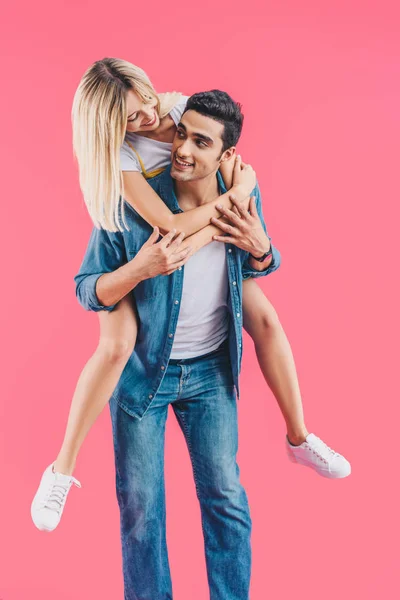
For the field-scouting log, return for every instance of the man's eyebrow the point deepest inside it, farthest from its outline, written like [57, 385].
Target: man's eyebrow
[198, 135]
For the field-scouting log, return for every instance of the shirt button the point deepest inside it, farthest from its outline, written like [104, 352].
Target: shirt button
[150, 396]
[233, 282]
[170, 335]
[162, 368]
[176, 301]
[230, 250]
[238, 315]
[179, 268]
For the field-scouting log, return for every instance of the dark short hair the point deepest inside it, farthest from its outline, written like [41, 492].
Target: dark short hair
[219, 106]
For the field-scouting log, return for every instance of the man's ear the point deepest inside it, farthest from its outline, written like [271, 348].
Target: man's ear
[228, 154]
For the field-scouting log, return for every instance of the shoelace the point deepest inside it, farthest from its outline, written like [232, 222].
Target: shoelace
[58, 493]
[321, 449]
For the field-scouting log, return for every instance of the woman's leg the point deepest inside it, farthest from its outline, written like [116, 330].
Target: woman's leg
[275, 358]
[118, 330]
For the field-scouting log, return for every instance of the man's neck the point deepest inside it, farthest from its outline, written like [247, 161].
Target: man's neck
[191, 194]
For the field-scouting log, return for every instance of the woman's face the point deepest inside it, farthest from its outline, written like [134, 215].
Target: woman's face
[141, 116]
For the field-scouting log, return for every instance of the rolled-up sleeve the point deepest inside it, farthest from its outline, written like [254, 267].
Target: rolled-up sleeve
[247, 269]
[105, 253]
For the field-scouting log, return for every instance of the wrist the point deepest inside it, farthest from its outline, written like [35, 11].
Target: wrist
[136, 271]
[240, 192]
[262, 252]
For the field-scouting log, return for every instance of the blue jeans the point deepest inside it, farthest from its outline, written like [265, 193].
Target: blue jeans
[202, 395]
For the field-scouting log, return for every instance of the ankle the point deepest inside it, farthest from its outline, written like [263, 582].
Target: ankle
[297, 437]
[64, 467]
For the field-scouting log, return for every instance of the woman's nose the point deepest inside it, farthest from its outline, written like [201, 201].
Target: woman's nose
[148, 114]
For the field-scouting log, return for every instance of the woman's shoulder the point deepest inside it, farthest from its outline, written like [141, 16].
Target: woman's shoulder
[174, 103]
[128, 157]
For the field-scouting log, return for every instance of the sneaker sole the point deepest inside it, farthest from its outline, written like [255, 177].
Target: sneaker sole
[327, 474]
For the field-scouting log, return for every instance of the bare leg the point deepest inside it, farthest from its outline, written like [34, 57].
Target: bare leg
[275, 358]
[118, 330]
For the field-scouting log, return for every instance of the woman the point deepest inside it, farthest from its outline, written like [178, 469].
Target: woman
[121, 125]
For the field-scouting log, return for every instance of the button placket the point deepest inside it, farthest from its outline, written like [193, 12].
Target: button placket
[235, 301]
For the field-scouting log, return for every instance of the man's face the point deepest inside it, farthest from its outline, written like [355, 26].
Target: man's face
[197, 146]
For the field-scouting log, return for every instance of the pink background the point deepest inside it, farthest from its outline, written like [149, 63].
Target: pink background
[319, 83]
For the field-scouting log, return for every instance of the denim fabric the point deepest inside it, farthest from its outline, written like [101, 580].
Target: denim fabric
[158, 299]
[201, 392]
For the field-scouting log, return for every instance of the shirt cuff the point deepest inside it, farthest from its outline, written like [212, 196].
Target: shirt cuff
[87, 296]
[249, 271]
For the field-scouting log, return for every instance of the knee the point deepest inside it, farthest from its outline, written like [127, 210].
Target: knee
[116, 350]
[268, 321]
[221, 482]
[140, 505]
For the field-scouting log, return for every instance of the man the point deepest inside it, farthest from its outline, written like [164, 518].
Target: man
[188, 354]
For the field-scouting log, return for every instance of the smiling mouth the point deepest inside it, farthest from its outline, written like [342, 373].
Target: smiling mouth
[151, 122]
[182, 164]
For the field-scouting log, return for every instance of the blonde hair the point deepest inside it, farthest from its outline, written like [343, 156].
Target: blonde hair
[99, 119]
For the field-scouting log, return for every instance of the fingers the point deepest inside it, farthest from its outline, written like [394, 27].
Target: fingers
[225, 227]
[238, 164]
[178, 256]
[168, 237]
[225, 238]
[178, 264]
[229, 214]
[253, 207]
[177, 242]
[153, 237]
[239, 208]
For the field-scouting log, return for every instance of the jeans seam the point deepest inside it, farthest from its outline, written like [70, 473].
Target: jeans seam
[119, 495]
[181, 414]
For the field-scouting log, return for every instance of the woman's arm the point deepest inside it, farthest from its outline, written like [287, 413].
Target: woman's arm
[205, 236]
[226, 169]
[141, 196]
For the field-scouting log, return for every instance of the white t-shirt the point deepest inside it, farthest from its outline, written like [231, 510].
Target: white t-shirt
[203, 322]
[154, 154]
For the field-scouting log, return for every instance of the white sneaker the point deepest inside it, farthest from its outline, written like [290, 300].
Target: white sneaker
[314, 453]
[48, 504]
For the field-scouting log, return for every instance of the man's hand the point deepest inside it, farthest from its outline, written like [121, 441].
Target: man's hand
[244, 230]
[163, 257]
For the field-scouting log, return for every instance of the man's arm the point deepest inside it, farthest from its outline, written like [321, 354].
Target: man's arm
[255, 268]
[104, 258]
[105, 276]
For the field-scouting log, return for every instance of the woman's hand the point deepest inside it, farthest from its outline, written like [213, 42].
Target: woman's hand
[244, 179]
[163, 257]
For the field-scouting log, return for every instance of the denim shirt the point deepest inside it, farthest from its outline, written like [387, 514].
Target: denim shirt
[158, 299]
